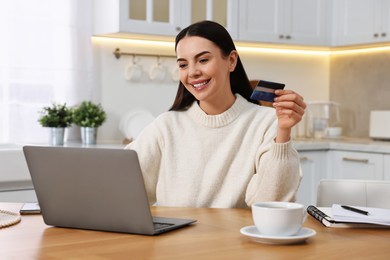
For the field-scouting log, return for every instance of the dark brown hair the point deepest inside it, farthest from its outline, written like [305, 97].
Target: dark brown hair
[217, 34]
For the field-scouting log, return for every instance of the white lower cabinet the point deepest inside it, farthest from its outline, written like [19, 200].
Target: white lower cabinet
[386, 167]
[313, 164]
[336, 164]
[356, 165]
[18, 196]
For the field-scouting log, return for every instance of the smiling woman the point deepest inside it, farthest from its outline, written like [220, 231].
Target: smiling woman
[45, 57]
[216, 147]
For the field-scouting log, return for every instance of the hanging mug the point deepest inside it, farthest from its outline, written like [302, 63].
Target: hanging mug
[157, 73]
[175, 74]
[133, 72]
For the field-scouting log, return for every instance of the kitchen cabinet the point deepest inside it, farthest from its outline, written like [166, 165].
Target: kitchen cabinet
[356, 165]
[285, 21]
[344, 159]
[224, 12]
[292, 22]
[18, 196]
[161, 17]
[15, 180]
[386, 167]
[361, 21]
[313, 164]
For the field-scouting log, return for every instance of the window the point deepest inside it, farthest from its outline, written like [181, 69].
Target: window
[45, 57]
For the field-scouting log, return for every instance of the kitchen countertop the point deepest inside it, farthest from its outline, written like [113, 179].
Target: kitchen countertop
[300, 143]
[14, 172]
[343, 143]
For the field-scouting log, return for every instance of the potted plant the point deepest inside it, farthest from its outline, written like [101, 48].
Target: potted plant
[56, 117]
[89, 116]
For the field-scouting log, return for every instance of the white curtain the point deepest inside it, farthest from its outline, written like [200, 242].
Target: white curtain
[45, 58]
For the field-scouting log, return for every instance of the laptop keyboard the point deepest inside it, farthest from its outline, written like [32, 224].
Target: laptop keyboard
[158, 225]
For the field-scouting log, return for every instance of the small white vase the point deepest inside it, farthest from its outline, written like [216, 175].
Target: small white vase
[88, 135]
[56, 135]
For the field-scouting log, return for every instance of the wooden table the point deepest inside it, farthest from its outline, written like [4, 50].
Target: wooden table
[216, 235]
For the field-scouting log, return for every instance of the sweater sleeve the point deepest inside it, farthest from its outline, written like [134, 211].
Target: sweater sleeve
[148, 148]
[278, 174]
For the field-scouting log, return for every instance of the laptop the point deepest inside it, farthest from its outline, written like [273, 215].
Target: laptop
[94, 188]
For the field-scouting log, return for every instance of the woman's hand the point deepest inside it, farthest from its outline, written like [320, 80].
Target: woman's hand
[290, 108]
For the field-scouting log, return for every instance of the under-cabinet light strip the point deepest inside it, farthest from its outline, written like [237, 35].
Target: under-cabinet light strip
[245, 48]
[281, 51]
[366, 49]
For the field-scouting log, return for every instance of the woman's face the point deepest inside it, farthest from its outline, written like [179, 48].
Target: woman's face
[203, 70]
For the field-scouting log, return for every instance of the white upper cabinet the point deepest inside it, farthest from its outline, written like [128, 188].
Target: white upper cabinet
[161, 17]
[285, 21]
[361, 21]
[224, 12]
[294, 22]
[157, 17]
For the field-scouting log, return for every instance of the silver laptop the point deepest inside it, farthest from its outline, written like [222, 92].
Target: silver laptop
[94, 188]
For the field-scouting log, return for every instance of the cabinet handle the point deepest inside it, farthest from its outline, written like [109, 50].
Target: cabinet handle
[281, 36]
[355, 160]
[304, 158]
[288, 37]
[376, 35]
[178, 28]
[383, 35]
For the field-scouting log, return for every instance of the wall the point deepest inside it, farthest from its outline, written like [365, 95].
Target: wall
[360, 83]
[120, 96]
[305, 74]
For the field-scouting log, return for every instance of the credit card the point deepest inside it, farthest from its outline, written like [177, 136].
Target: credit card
[265, 90]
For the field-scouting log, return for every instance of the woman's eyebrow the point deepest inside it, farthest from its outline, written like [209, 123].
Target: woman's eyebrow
[196, 56]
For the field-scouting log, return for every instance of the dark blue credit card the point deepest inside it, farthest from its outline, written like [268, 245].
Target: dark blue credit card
[265, 90]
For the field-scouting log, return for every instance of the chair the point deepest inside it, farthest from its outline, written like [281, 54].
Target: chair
[366, 193]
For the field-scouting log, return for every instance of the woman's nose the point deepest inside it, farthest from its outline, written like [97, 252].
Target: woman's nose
[193, 71]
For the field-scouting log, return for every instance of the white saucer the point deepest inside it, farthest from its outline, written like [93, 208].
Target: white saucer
[301, 236]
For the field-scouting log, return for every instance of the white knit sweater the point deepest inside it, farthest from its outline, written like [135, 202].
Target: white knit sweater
[191, 159]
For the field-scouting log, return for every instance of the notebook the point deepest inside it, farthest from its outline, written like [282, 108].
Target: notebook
[95, 189]
[325, 217]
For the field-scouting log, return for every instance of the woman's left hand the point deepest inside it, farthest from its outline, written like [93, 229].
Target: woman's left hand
[290, 108]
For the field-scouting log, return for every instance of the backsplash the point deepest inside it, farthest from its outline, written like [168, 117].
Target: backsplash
[360, 83]
[305, 74]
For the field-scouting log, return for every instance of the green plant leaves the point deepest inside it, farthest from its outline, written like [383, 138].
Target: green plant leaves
[88, 114]
[57, 115]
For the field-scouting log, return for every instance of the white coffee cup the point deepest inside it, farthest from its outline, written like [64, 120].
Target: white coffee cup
[157, 73]
[133, 72]
[276, 218]
[175, 74]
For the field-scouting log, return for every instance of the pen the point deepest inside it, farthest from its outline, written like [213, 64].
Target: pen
[355, 210]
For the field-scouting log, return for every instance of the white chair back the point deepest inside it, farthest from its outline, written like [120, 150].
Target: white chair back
[366, 193]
